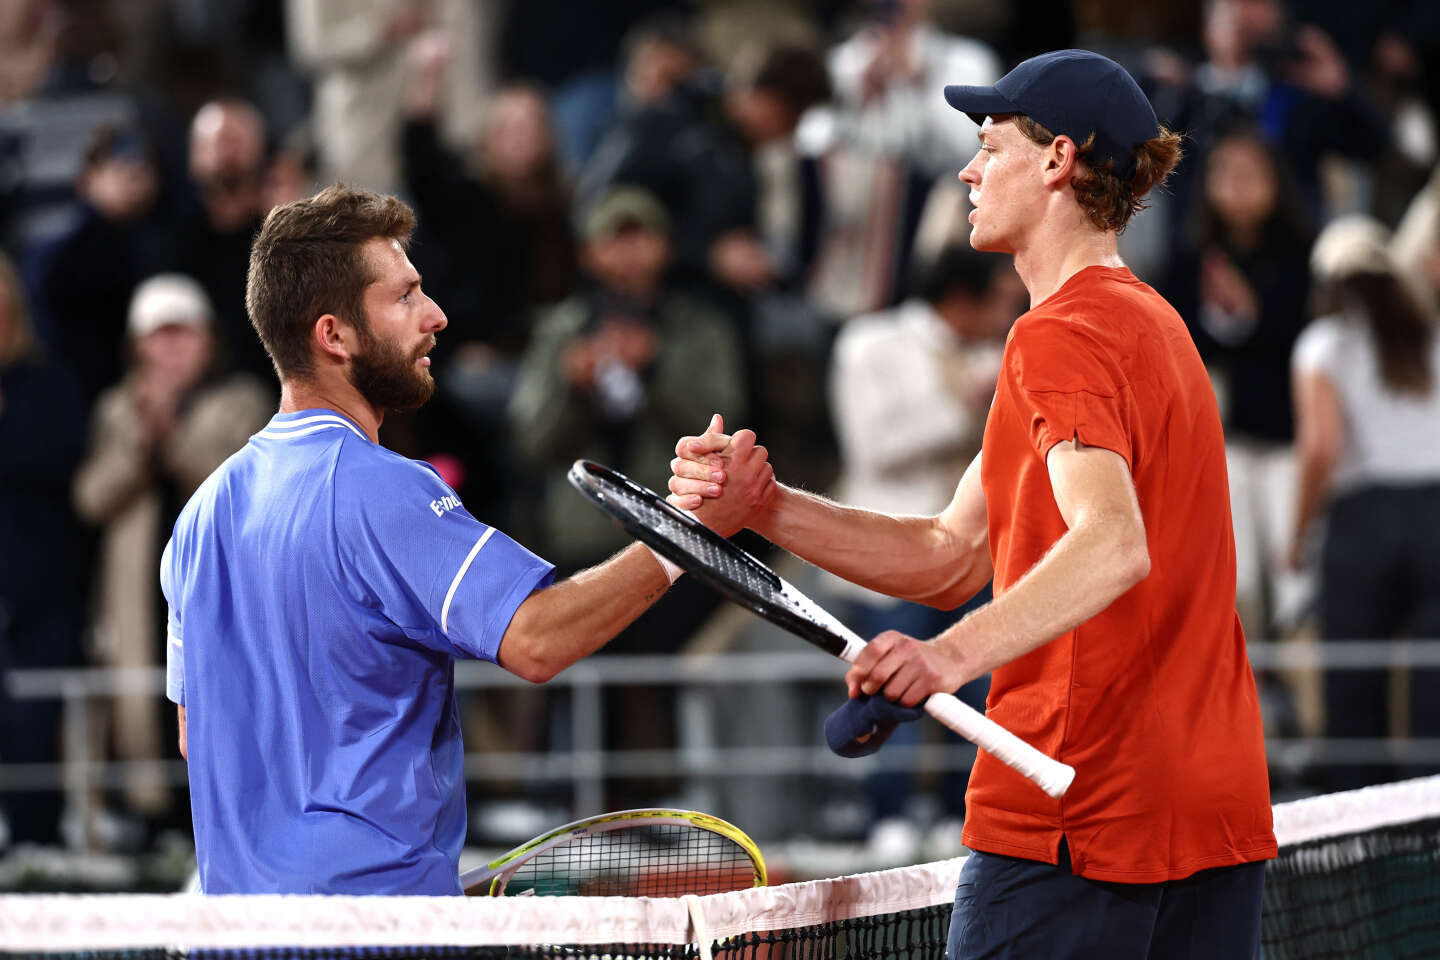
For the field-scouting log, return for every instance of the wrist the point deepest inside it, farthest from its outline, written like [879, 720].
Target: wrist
[951, 646]
[672, 570]
[765, 520]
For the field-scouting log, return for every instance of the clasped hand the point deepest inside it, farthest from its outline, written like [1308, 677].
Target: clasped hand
[725, 480]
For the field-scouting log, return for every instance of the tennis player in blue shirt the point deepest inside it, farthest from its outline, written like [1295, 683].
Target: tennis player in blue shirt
[320, 588]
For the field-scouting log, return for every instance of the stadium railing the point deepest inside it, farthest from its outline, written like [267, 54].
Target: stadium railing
[706, 697]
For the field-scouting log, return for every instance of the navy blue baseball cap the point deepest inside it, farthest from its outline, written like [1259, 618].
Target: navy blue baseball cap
[1074, 93]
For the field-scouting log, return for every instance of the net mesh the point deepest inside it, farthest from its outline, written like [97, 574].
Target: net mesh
[1358, 877]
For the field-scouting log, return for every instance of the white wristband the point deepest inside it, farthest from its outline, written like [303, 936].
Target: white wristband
[672, 571]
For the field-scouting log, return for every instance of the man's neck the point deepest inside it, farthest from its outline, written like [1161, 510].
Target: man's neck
[1053, 254]
[297, 395]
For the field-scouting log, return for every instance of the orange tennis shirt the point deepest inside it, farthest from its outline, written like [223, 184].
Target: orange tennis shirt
[1152, 700]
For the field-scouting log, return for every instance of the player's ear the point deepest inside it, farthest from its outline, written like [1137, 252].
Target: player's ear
[334, 338]
[1061, 156]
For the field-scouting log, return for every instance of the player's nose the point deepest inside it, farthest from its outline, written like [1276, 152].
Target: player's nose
[437, 319]
[971, 173]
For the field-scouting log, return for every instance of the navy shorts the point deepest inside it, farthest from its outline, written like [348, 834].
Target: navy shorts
[1007, 909]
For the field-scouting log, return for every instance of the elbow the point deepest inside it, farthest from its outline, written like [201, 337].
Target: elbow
[966, 571]
[954, 593]
[1134, 555]
[526, 658]
[541, 672]
[534, 669]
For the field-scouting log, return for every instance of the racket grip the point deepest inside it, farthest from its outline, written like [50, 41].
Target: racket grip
[1047, 773]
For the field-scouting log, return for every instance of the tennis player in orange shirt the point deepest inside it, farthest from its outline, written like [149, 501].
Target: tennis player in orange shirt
[1100, 507]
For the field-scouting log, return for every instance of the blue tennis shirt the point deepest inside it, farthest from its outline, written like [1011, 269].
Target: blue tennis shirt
[320, 589]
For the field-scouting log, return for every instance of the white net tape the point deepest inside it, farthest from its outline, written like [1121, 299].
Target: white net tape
[99, 922]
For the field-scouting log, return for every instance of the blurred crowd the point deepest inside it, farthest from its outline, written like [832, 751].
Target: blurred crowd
[636, 213]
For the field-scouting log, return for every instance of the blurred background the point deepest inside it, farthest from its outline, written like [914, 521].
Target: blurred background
[636, 213]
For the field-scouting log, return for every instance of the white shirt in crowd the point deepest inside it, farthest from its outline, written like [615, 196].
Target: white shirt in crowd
[911, 120]
[1390, 438]
[909, 397]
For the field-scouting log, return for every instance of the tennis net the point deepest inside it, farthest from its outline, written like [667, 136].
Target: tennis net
[1358, 876]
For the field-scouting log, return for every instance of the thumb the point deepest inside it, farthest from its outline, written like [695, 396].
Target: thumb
[717, 424]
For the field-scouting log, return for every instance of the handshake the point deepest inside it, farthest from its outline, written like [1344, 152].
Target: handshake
[728, 483]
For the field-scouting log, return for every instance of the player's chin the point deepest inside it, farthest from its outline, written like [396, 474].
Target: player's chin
[418, 393]
[981, 242]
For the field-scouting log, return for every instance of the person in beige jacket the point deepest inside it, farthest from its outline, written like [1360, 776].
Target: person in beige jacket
[154, 437]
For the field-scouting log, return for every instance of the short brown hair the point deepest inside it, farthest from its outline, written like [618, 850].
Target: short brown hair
[308, 260]
[1108, 200]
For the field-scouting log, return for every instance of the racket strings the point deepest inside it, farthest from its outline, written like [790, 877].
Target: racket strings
[712, 559]
[719, 555]
[660, 860]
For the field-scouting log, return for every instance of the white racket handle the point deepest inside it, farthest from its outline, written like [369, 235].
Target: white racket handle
[1047, 773]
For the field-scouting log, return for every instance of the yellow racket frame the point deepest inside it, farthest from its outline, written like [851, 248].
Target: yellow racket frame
[491, 879]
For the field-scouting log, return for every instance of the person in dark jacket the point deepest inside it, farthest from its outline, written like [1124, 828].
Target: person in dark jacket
[42, 554]
[694, 151]
[1242, 284]
[495, 240]
[90, 272]
[227, 168]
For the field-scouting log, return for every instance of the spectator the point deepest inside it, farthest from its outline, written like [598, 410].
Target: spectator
[658, 54]
[227, 167]
[886, 76]
[154, 437]
[1286, 79]
[28, 29]
[694, 151]
[291, 174]
[1416, 245]
[354, 54]
[494, 243]
[74, 52]
[500, 241]
[92, 270]
[1368, 438]
[613, 371]
[748, 220]
[910, 389]
[1241, 286]
[42, 433]
[570, 49]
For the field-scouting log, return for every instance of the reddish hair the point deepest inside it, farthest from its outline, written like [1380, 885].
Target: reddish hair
[1107, 199]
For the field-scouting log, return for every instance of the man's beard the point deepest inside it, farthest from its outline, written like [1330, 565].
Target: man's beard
[388, 378]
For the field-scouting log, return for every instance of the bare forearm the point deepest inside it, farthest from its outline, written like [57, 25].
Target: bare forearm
[1315, 473]
[1087, 570]
[915, 558]
[572, 619]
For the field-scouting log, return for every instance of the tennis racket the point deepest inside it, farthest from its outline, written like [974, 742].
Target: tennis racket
[715, 561]
[631, 853]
